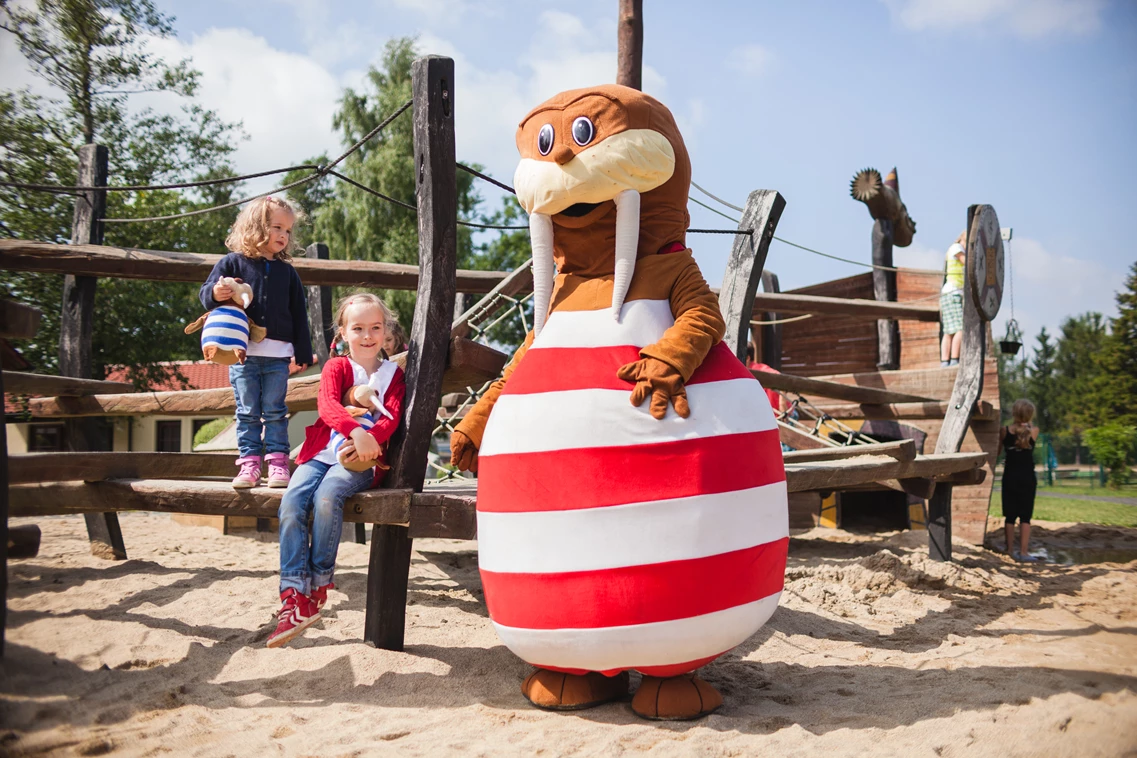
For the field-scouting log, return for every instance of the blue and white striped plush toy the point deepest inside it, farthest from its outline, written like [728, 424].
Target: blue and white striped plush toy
[355, 400]
[226, 330]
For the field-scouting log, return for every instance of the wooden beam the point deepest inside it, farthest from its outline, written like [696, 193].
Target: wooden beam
[470, 364]
[4, 512]
[206, 498]
[785, 302]
[448, 513]
[835, 475]
[432, 85]
[630, 44]
[18, 321]
[934, 383]
[968, 382]
[834, 390]
[969, 477]
[771, 333]
[76, 328]
[744, 269]
[320, 326]
[95, 467]
[23, 383]
[901, 450]
[157, 265]
[983, 411]
[799, 440]
[518, 282]
[884, 290]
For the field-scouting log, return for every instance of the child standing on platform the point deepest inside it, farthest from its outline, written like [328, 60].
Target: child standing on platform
[951, 304]
[321, 483]
[262, 245]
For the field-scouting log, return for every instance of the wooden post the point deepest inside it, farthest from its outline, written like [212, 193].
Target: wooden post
[320, 324]
[968, 388]
[16, 322]
[884, 288]
[3, 530]
[744, 269]
[432, 80]
[771, 333]
[630, 44]
[75, 328]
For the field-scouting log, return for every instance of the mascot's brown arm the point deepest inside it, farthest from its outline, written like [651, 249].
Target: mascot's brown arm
[698, 324]
[666, 365]
[467, 436]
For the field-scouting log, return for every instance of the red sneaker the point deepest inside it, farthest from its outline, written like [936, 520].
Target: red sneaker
[320, 595]
[297, 613]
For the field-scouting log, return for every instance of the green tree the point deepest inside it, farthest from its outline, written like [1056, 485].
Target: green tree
[357, 225]
[92, 53]
[1076, 369]
[1041, 384]
[1112, 446]
[1114, 395]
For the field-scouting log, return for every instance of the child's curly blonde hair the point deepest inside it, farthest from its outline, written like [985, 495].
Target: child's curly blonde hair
[250, 231]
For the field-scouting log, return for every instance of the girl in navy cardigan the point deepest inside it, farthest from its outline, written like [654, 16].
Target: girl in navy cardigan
[322, 483]
[262, 240]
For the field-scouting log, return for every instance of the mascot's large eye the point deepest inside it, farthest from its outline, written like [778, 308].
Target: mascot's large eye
[582, 130]
[545, 139]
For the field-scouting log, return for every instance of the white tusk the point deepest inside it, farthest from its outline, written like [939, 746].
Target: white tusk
[627, 242]
[246, 299]
[541, 239]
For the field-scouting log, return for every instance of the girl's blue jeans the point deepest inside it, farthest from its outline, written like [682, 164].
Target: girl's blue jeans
[259, 386]
[317, 490]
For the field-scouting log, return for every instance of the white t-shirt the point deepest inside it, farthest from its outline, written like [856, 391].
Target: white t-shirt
[380, 381]
[267, 348]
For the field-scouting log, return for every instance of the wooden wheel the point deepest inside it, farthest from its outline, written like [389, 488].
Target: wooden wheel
[985, 262]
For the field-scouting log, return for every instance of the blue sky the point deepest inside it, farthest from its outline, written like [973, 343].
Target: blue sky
[1029, 105]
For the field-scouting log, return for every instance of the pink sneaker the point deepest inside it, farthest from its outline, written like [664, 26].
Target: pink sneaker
[250, 473]
[297, 613]
[277, 469]
[320, 595]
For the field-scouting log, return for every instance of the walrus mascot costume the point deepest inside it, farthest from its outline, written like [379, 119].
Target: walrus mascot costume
[615, 535]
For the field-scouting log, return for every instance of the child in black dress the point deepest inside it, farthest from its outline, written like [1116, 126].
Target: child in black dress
[1019, 481]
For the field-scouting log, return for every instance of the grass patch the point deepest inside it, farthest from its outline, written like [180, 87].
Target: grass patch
[1055, 508]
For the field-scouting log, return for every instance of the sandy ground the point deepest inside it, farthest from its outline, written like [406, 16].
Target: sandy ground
[875, 650]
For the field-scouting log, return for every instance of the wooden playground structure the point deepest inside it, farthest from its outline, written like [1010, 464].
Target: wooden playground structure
[912, 428]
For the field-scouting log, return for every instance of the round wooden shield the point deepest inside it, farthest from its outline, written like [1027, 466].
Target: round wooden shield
[985, 262]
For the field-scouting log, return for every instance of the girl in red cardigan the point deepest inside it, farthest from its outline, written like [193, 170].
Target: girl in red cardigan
[321, 484]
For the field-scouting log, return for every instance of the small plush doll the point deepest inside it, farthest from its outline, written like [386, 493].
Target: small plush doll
[226, 330]
[361, 401]
[632, 507]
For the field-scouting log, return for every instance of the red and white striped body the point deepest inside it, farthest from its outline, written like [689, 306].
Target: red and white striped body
[610, 540]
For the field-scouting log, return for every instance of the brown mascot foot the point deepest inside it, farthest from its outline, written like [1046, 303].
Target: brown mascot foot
[555, 691]
[678, 698]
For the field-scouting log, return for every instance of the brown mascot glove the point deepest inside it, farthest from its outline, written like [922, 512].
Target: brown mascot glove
[659, 380]
[463, 452]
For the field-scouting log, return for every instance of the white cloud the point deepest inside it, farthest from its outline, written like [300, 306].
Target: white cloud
[564, 53]
[1050, 286]
[751, 60]
[285, 101]
[918, 255]
[1026, 18]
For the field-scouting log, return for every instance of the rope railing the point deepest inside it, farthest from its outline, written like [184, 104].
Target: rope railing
[154, 187]
[919, 271]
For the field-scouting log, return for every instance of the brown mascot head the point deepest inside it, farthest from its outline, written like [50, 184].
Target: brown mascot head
[604, 176]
